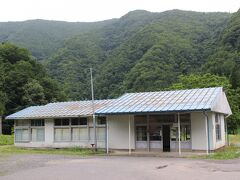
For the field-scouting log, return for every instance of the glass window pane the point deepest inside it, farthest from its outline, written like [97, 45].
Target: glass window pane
[65, 135]
[101, 120]
[83, 134]
[155, 133]
[58, 134]
[65, 122]
[75, 134]
[218, 127]
[40, 134]
[101, 134]
[34, 134]
[173, 134]
[25, 135]
[141, 132]
[18, 134]
[37, 122]
[83, 121]
[22, 122]
[75, 121]
[57, 122]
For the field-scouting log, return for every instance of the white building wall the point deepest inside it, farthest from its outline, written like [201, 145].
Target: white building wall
[118, 132]
[198, 131]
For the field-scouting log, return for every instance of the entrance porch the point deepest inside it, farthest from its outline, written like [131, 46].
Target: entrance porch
[163, 132]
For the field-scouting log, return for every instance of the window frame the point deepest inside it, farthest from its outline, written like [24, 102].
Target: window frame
[22, 126]
[141, 126]
[71, 127]
[218, 127]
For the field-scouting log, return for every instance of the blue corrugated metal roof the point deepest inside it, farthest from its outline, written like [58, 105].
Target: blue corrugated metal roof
[163, 101]
[60, 109]
[130, 103]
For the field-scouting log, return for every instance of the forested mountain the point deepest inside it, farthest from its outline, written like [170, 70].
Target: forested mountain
[141, 51]
[44, 37]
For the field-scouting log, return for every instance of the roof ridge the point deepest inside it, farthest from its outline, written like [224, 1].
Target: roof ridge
[169, 90]
[80, 101]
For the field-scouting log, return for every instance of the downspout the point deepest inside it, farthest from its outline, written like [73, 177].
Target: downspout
[208, 138]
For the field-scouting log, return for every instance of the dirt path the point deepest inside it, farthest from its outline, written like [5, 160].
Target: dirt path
[113, 167]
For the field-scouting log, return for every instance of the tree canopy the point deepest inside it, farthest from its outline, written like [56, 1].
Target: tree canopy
[23, 81]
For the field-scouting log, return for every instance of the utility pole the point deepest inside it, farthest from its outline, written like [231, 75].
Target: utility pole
[93, 112]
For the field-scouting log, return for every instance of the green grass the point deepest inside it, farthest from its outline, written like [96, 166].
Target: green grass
[11, 149]
[229, 152]
[234, 139]
[6, 139]
[7, 147]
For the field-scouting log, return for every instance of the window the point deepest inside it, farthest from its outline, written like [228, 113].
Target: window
[174, 134]
[79, 121]
[37, 130]
[22, 122]
[101, 134]
[37, 122]
[79, 134]
[21, 135]
[62, 134]
[61, 122]
[185, 133]
[38, 134]
[141, 132]
[155, 133]
[101, 120]
[77, 129]
[218, 127]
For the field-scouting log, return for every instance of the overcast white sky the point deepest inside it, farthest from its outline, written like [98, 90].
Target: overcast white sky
[95, 10]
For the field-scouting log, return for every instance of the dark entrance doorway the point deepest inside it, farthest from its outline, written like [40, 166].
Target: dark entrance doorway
[166, 138]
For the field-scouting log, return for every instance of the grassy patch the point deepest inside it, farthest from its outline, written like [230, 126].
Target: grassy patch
[234, 139]
[63, 151]
[230, 152]
[6, 139]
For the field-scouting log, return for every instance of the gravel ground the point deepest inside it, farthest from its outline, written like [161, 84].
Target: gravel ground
[115, 167]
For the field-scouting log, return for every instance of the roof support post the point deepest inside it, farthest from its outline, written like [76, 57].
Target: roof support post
[179, 136]
[106, 141]
[129, 135]
[148, 134]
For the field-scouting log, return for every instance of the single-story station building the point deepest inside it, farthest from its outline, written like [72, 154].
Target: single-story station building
[178, 120]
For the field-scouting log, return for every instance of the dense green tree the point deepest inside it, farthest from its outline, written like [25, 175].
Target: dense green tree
[23, 81]
[200, 81]
[235, 76]
[33, 94]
